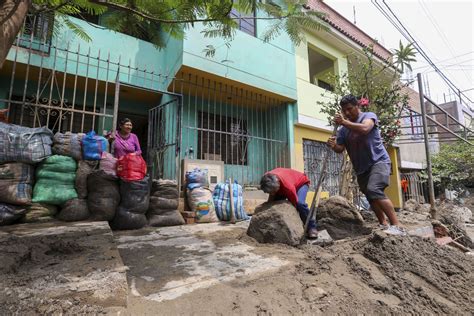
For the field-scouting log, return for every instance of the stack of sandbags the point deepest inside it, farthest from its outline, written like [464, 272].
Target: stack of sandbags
[135, 198]
[55, 179]
[199, 197]
[164, 200]
[68, 144]
[74, 210]
[24, 144]
[39, 212]
[103, 195]
[16, 181]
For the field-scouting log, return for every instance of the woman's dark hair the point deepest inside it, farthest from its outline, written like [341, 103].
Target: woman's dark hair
[269, 183]
[348, 99]
[124, 121]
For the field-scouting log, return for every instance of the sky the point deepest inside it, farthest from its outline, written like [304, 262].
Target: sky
[444, 29]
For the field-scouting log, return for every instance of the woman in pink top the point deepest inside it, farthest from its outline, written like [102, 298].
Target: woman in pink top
[124, 141]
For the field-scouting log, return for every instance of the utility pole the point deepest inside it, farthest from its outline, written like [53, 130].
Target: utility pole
[427, 147]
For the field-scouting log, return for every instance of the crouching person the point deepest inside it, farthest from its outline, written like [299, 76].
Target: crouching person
[283, 183]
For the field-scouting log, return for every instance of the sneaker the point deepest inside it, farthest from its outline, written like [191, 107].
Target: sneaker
[395, 230]
[312, 233]
[384, 227]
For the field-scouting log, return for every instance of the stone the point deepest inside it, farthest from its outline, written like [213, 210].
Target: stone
[313, 294]
[338, 208]
[323, 239]
[276, 222]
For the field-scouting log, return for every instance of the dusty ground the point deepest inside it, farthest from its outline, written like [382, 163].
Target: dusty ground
[215, 269]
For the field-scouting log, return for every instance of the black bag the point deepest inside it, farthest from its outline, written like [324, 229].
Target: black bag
[10, 213]
[127, 220]
[135, 195]
[74, 210]
[103, 195]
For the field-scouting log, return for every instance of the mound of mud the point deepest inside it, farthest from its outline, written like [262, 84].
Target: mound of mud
[337, 207]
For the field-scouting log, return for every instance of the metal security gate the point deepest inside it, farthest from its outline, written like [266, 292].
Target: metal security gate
[164, 132]
[313, 152]
[413, 187]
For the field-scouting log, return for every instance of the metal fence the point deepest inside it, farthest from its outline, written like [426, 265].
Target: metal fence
[412, 187]
[314, 152]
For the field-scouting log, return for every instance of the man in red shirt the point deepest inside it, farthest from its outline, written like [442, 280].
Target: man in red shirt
[284, 183]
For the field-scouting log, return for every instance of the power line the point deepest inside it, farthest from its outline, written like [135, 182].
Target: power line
[395, 21]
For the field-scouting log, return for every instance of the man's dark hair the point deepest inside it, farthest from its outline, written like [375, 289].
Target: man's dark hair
[269, 182]
[348, 99]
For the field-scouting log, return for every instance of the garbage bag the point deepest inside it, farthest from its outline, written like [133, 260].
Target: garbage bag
[9, 214]
[84, 168]
[197, 178]
[163, 203]
[55, 179]
[221, 197]
[200, 202]
[74, 210]
[16, 183]
[68, 144]
[39, 212]
[164, 217]
[135, 195]
[165, 188]
[103, 195]
[108, 163]
[93, 146]
[124, 220]
[131, 167]
[24, 144]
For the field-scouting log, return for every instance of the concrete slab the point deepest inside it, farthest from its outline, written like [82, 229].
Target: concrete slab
[167, 263]
[56, 266]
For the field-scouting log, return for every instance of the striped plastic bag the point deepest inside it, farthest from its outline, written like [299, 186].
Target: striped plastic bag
[221, 197]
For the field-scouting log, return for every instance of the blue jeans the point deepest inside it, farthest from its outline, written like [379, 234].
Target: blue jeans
[302, 206]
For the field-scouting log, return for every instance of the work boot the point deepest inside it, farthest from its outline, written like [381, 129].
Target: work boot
[312, 233]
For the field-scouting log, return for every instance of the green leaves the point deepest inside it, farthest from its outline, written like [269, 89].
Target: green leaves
[404, 56]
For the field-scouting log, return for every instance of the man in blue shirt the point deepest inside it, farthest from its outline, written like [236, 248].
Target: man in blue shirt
[360, 136]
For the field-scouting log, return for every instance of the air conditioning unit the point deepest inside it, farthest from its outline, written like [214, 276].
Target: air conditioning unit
[214, 168]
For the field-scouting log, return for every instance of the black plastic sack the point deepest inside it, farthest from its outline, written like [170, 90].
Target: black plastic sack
[9, 214]
[160, 217]
[125, 220]
[74, 210]
[165, 188]
[103, 195]
[135, 195]
[162, 203]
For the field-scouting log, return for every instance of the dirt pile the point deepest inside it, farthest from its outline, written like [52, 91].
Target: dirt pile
[455, 218]
[276, 222]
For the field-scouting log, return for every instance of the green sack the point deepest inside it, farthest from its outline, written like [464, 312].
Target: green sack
[56, 177]
[59, 164]
[50, 192]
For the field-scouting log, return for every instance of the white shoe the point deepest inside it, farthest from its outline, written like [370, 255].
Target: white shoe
[395, 230]
[384, 227]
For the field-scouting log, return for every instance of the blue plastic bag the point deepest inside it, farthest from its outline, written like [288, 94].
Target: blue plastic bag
[93, 146]
[221, 197]
[197, 178]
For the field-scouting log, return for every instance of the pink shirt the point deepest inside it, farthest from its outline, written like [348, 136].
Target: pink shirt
[123, 146]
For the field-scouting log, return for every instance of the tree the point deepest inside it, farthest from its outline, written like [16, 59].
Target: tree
[379, 83]
[453, 166]
[149, 19]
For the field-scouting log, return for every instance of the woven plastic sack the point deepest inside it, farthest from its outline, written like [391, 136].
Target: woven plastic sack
[24, 144]
[108, 164]
[39, 212]
[16, 183]
[55, 179]
[9, 214]
[93, 146]
[131, 167]
[221, 197]
[68, 144]
[197, 178]
[201, 203]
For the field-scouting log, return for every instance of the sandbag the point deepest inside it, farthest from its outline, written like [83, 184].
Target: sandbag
[93, 146]
[74, 210]
[159, 218]
[131, 167]
[16, 183]
[163, 203]
[39, 212]
[201, 203]
[108, 164]
[197, 178]
[68, 144]
[103, 195]
[135, 195]
[128, 220]
[165, 188]
[9, 214]
[221, 197]
[55, 179]
[24, 144]
[84, 168]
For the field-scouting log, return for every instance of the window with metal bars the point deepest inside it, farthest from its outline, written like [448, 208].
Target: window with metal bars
[222, 138]
[245, 21]
[37, 32]
[314, 153]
